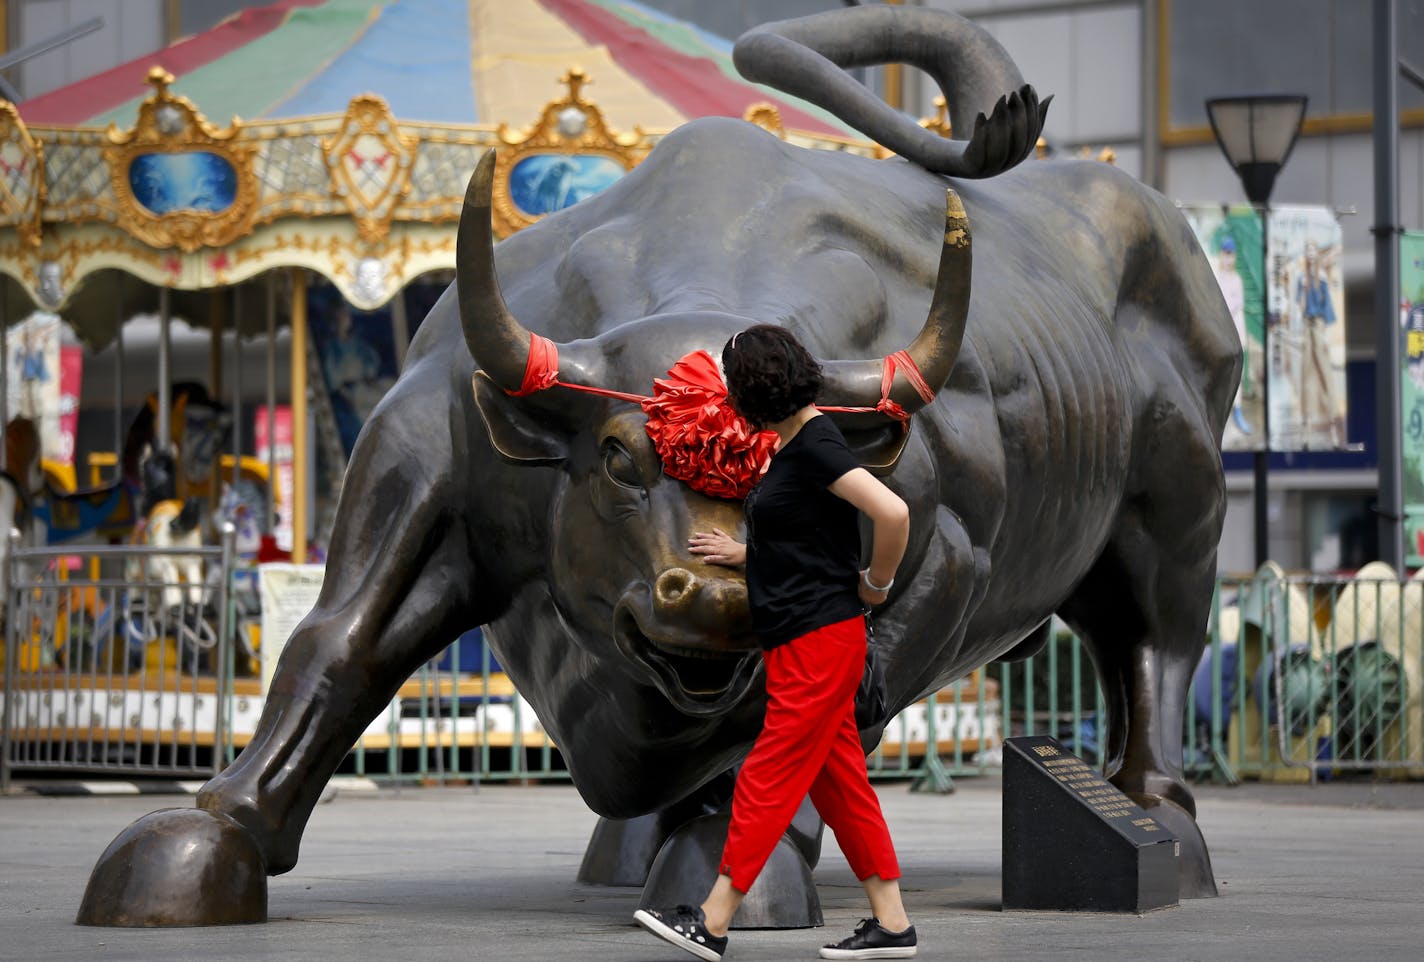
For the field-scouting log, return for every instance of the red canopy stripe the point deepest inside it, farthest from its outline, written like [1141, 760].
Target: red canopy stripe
[76, 103]
[693, 85]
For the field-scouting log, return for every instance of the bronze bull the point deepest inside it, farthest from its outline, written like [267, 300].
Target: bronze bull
[1068, 464]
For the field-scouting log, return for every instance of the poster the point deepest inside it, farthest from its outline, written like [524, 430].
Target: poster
[1411, 391]
[71, 375]
[43, 382]
[358, 357]
[289, 593]
[282, 474]
[1231, 238]
[1301, 318]
[1307, 333]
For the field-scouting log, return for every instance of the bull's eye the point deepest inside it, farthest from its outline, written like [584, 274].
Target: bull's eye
[619, 465]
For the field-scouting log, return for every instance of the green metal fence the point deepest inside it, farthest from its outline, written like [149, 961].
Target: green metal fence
[1302, 678]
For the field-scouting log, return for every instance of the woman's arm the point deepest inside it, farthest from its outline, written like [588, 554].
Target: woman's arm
[718, 548]
[891, 520]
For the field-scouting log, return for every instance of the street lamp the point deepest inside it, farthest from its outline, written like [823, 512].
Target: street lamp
[1256, 133]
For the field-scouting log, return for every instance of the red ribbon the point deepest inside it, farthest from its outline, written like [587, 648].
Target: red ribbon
[698, 436]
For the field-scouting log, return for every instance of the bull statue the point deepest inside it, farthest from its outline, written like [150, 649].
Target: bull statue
[1066, 462]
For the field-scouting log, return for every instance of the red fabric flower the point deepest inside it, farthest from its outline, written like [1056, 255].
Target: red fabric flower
[698, 436]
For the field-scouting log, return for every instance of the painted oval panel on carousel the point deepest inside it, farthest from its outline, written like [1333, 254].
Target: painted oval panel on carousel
[193, 181]
[543, 183]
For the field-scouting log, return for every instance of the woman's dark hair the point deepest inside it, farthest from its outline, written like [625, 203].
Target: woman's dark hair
[770, 376]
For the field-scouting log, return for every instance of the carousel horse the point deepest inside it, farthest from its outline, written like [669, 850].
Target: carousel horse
[132, 507]
[168, 595]
[19, 481]
[113, 510]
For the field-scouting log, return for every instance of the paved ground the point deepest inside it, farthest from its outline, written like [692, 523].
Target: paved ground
[1332, 872]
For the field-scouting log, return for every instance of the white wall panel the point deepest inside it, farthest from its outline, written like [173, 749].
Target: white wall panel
[131, 29]
[1041, 48]
[36, 20]
[142, 29]
[1106, 64]
[1411, 179]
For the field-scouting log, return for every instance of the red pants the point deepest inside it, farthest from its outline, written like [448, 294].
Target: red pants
[809, 742]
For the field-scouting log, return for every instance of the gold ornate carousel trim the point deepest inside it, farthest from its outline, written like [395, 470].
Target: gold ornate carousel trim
[767, 117]
[939, 123]
[370, 163]
[361, 197]
[22, 182]
[570, 125]
[170, 124]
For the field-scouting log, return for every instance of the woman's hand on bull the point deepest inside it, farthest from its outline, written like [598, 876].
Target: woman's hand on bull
[718, 548]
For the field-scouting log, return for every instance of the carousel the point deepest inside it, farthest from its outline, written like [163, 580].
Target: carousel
[299, 168]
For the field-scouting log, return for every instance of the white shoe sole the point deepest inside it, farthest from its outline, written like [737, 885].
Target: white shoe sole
[890, 952]
[650, 922]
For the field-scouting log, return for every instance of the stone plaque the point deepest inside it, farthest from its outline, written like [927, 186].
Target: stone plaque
[1073, 842]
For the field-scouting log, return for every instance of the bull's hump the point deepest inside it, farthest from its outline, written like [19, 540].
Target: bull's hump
[793, 236]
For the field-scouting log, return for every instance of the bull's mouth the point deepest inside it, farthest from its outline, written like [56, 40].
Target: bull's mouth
[697, 681]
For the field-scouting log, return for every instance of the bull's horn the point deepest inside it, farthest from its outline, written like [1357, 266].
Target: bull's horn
[936, 348]
[497, 341]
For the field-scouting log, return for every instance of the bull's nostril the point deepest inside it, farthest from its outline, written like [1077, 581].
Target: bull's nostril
[675, 586]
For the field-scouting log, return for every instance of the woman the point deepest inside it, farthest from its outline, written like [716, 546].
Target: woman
[808, 596]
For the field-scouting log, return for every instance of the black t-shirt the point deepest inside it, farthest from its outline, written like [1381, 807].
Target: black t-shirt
[803, 542]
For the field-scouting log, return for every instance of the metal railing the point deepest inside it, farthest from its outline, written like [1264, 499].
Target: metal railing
[1302, 678]
[451, 724]
[1309, 677]
[115, 661]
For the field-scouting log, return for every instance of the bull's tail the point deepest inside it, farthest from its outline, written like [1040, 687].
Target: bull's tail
[998, 117]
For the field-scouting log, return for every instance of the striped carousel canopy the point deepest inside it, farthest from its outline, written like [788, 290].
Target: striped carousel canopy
[436, 61]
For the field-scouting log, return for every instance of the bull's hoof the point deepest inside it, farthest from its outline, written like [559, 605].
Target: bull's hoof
[178, 866]
[1195, 879]
[782, 897]
[622, 850]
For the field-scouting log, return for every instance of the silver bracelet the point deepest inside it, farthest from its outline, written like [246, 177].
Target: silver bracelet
[865, 577]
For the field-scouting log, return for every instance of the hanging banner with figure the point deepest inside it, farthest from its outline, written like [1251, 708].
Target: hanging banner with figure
[1411, 391]
[71, 376]
[358, 358]
[44, 379]
[1307, 335]
[1231, 238]
[282, 474]
[1304, 306]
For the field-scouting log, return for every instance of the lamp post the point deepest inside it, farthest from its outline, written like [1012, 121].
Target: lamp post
[1256, 133]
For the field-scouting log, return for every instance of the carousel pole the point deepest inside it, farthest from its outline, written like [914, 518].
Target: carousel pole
[4, 378]
[400, 324]
[119, 390]
[271, 404]
[236, 386]
[218, 315]
[299, 416]
[163, 436]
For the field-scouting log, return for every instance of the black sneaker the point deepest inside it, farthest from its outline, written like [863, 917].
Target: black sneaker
[686, 927]
[873, 941]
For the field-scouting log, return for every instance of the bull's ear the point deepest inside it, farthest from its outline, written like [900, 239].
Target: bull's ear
[514, 428]
[878, 448]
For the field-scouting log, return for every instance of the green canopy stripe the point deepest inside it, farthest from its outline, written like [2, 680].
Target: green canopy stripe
[270, 68]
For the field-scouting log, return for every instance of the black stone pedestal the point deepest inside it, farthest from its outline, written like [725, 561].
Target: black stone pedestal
[1073, 842]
